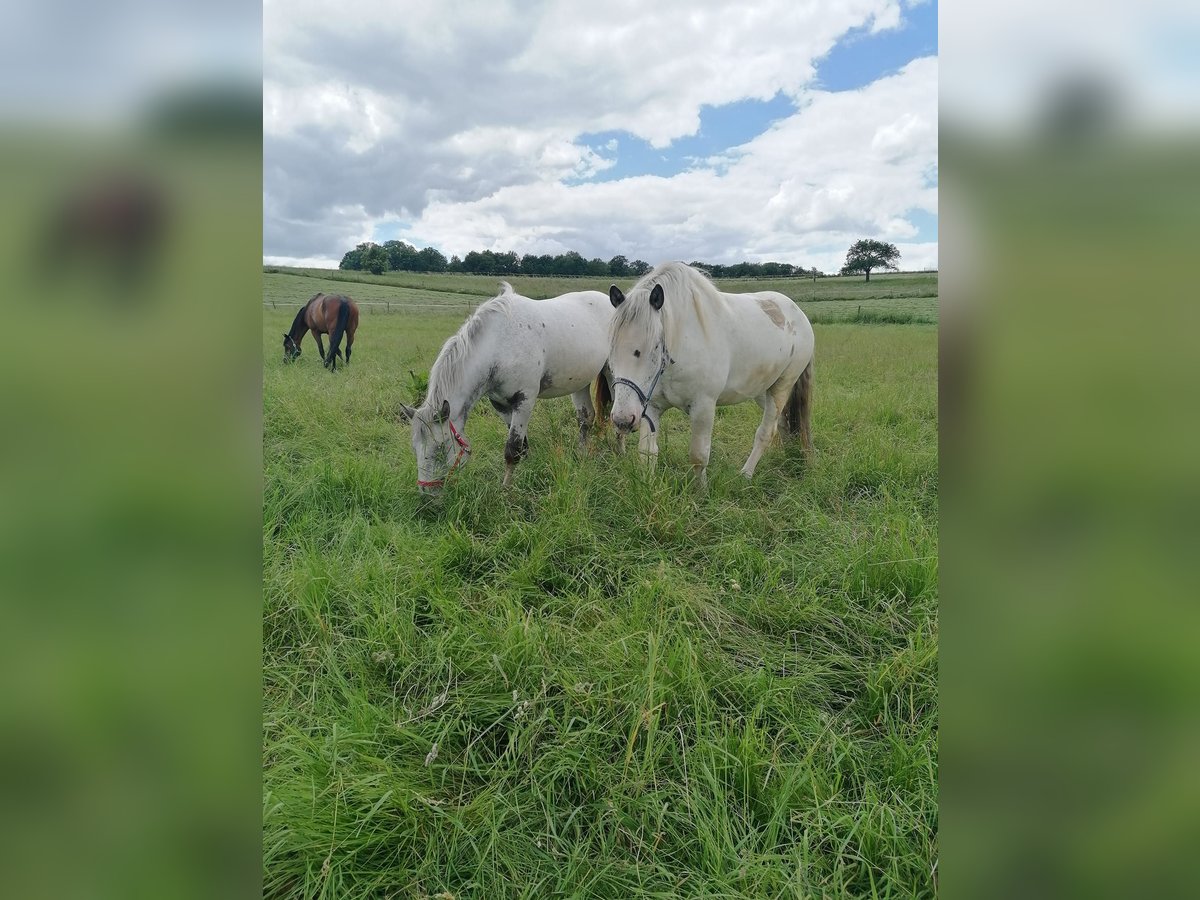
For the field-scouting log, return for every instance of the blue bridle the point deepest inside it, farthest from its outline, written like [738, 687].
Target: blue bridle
[664, 359]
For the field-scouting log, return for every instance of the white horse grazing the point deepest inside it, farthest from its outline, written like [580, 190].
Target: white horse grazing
[514, 350]
[678, 342]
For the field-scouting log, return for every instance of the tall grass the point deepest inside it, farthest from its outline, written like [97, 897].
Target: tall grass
[600, 683]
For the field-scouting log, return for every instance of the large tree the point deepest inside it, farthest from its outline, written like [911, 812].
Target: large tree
[867, 254]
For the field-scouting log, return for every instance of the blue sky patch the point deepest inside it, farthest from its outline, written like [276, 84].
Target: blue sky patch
[927, 225]
[721, 127]
[860, 57]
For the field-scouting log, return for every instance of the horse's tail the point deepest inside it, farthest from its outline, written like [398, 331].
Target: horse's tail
[797, 412]
[335, 338]
[604, 398]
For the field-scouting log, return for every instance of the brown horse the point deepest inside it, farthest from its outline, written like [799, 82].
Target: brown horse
[331, 314]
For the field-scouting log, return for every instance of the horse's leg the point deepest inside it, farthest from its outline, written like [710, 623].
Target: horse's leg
[585, 414]
[320, 346]
[702, 415]
[349, 344]
[771, 407]
[517, 445]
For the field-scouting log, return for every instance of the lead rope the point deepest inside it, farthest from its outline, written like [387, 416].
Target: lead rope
[464, 448]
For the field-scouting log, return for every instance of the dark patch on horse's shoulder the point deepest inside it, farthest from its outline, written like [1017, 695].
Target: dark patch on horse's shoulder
[771, 308]
[516, 399]
[547, 380]
[492, 372]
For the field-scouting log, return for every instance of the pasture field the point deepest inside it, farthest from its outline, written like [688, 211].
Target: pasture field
[600, 683]
[902, 297]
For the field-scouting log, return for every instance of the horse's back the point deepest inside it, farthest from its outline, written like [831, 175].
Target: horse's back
[764, 311]
[589, 311]
[768, 338]
[567, 336]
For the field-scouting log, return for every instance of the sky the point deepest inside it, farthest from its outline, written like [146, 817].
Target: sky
[768, 130]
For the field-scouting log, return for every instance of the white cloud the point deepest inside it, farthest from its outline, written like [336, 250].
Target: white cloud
[846, 165]
[467, 127]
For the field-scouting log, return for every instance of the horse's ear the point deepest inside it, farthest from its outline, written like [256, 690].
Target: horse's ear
[444, 412]
[407, 413]
[615, 295]
[656, 297]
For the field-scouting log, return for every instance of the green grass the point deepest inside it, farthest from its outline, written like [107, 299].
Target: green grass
[633, 690]
[900, 298]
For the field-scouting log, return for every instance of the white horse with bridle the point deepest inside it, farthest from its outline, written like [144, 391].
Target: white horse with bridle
[679, 343]
[513, 350]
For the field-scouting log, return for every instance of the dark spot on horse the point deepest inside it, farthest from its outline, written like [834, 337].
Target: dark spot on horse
[515, 448]
[547, 381]
[492, 372]
[516, 399]
[637, 352]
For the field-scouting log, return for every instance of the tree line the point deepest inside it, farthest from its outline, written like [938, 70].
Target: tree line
[397, 256]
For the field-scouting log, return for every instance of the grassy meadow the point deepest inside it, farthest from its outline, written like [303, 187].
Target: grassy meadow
[599, 683]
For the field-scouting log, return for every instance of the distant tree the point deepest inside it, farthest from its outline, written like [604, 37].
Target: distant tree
[639, 267]
[375, 260]
[401, 256]
[430, 260]
[455, 264]
[570, 263]
[356, 259]
[618, 267]
[506, 263]
[867, 254]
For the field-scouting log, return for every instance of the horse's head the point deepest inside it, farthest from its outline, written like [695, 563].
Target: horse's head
[291, 349]
[638, 353]
[437, 445]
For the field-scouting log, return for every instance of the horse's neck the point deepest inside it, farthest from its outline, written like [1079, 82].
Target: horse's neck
[300, 323]
[696, 325]
[472, 379]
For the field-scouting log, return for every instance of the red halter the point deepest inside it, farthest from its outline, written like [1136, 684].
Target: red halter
[463, 448]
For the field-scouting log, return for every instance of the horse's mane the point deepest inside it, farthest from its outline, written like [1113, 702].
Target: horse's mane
[446, 374]
[678, 280]
[298, 323]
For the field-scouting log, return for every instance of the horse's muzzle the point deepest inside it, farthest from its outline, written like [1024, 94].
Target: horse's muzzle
[625, 424]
